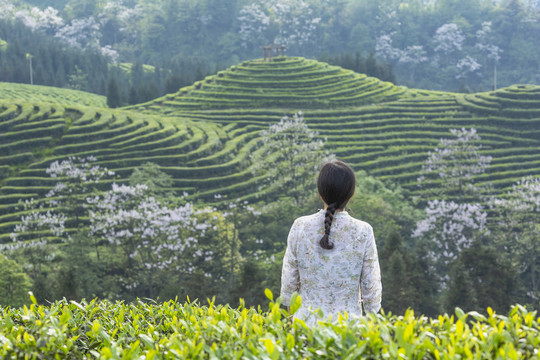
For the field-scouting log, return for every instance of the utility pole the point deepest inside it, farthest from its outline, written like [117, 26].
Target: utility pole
[29, 59]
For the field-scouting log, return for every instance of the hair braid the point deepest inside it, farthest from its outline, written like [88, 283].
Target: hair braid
[328, 218]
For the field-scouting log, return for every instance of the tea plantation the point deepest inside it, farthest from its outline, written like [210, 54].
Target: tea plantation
[203, 135]
[174, 330]
[48, 94]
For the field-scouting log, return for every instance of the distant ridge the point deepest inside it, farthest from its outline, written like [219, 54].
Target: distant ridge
[285, 82]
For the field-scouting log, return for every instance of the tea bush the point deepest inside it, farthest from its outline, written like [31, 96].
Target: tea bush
[189, 330]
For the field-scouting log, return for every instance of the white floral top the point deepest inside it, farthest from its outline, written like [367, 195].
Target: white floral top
[335, 280]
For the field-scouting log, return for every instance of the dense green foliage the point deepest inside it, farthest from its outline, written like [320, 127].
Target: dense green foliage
[174, 330]
[53, 63]
[488, 34]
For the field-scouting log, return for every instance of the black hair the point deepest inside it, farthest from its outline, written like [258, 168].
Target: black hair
[336, 183]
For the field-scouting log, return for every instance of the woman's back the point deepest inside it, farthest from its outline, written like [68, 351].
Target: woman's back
[334, 280]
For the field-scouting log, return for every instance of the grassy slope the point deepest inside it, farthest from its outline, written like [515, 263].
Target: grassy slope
[384, 129]
[48, 94]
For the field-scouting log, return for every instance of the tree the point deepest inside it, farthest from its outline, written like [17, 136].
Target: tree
[38, 222]
[151, 236]
[289, 158]
[518, 231]
[14, 283]
[486, 45]
[450, 226]
[455, 162]
[78, 176]
[113, 94]
[157, 182]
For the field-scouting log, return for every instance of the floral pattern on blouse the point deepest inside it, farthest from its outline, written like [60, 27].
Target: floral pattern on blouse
[336, 280]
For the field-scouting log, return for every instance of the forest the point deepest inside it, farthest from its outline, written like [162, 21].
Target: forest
[451, 45]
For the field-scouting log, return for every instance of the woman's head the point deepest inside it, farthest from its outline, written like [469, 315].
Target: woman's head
[336, 183]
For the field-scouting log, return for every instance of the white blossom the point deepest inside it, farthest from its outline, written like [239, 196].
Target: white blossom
[449, 38]
[456, 160]
[467, 65]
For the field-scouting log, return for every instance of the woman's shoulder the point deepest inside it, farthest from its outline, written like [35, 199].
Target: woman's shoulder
[309, 218]
[359, 224]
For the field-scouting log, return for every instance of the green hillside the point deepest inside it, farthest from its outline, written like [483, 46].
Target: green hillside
[285, 82]
[204, 137]
[49, 94]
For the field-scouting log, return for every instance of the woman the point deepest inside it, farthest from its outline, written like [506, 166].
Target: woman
[331, 258]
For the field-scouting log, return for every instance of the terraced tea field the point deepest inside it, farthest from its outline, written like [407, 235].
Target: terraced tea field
[287, 82]
[203, 137]
[48, 94]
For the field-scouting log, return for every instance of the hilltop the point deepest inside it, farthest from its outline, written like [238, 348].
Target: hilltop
[285, 82]
[203, 135]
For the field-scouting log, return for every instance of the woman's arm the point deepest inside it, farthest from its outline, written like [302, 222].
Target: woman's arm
[290, 279]
[370, 279]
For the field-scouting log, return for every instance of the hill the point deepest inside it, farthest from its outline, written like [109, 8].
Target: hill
[49, 94]
[203, 135]
[286, 82]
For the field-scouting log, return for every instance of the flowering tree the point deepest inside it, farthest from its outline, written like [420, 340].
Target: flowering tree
[77, 177]
[448, 228]
[518, 223]
[452, 226]
[486, 46]
[385, 50]
[289, 23]
[81, 33]
[35, 225]
[148, 232]
[289, 158]
[466, 66]
[455, 162]
[448, 38]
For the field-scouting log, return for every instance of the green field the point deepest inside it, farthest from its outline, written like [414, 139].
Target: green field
[48, 94]
[203, 135]
[173, 330]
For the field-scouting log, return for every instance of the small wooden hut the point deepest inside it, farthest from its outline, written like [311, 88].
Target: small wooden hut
[269, 51]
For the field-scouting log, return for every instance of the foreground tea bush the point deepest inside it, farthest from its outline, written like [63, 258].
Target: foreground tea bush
[102, 329]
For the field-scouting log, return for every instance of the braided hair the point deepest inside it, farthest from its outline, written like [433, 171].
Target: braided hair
[336, 183]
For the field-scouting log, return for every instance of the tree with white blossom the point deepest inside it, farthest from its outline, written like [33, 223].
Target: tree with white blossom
[448, 39]
[30, 235]
[486, 45]
[289, 158]
[450, 226]
[292, 23]
[147, 232]
[455, 162]
[518, 230]
[77, 176]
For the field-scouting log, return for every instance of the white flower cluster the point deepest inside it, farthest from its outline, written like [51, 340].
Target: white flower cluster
[467, 65]
[457, 160]
[286, 22]
[34, 18]
[75, 172]
[449, 38]
[449, 228]
[127, 217]
[483, 44]
[37, 219]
